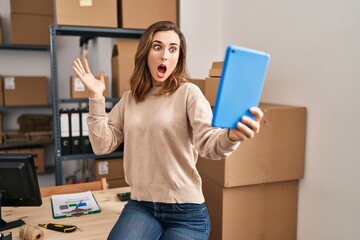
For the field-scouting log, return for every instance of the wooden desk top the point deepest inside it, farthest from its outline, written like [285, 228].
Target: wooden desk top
[94, 226]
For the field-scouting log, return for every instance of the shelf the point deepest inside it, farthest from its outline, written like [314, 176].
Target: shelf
[90, 155]
[86, 100]
[24, 47]
[97, 32]
[25, 145]
[11, 108]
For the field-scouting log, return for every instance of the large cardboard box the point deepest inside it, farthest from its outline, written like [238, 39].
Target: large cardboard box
[40, 7]
[94, 13]
[261, 211]
[25, 91]
[117, 183]
[200, 83]
[78, 89]
[30, 29]
[140, 14]
[111, 169]
[122, 65]
[275, 154]
[211, 88]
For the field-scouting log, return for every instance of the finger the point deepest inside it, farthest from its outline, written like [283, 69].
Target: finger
[79, 66]
[252, 124]
[80, 75]
[258, 114]
[102, 76]
[245, 129]
[87, 68]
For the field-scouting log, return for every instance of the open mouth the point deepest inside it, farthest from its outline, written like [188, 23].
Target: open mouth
[162, 70]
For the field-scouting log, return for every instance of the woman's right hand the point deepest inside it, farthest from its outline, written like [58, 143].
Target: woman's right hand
[95, 86]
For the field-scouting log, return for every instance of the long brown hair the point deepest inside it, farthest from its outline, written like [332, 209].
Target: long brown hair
[141, 80]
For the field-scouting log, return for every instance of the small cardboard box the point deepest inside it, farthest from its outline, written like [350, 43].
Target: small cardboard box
[261, 211]
[122, 65]
[141, 14]
[91, 13]
[25, 91]
[109, 168]
[117, 183]
[276, 153]
[30, 29]
[211, 88]
[39, 7]
[200, 83]
[78, 89]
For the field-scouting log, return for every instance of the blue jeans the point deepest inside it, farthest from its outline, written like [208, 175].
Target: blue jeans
[142, 220]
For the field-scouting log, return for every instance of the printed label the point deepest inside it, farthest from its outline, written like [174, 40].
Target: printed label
[9, 83]
[86, 3]
[103, 168]
[78, 85]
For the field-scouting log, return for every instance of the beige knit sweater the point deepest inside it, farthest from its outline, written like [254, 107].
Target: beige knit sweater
[162, 138]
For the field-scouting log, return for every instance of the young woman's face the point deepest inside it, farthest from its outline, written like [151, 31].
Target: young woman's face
[163, 55]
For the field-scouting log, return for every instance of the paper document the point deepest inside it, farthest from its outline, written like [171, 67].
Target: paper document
[74, 204]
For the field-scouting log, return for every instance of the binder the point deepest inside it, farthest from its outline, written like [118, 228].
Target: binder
[75, 131]
[85, 144]
[65, 132]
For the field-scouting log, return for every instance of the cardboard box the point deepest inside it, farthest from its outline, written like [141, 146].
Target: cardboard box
[91, 13]
[261, 211]
[111, 169]
[78, 89]
[30, 29]
[217, 65]
[200, 83]
[211, 88]
[116, 183]
[39, 158]
[275, 154]
[141, 14]
[39, 7]
[122, 65]
[25, 91]
[215, 72]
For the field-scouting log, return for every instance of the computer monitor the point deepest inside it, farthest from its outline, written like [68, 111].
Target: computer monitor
[18, 185]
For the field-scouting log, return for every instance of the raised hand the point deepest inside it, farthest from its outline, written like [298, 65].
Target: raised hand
[248, 127]
[95, 86]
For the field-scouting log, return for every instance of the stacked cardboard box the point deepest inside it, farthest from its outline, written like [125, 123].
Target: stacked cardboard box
[39, 156]
[136, 14]
[30, 21]
[253, 192]
[212, 82]
[24, 90]
[122, 65]
[78, 89]
[113, 170]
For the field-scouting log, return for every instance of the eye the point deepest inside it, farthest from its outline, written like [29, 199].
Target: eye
[156, 47]
[173, 49]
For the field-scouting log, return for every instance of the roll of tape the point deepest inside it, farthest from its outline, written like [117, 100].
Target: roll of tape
[28, 232]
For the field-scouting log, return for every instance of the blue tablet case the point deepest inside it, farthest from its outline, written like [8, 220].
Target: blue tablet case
[240, 86]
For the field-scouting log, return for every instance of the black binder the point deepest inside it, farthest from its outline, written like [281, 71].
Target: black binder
[85, 144]
[75, 131]
[65, 136]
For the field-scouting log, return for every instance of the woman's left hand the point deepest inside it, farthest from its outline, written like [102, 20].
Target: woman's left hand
[248, 127]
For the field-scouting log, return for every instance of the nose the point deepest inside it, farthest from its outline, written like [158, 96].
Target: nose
[164, 56]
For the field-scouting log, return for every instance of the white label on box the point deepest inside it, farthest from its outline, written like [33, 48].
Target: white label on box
[9, 83]
[103, 168]
[78, 85]
[86, 3]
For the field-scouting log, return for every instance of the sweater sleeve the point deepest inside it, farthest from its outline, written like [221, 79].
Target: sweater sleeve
[210, 142]
[105, 130]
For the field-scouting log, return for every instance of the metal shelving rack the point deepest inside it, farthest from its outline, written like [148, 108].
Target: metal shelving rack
[89, 32]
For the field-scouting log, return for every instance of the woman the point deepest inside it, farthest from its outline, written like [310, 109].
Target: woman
[164, 122]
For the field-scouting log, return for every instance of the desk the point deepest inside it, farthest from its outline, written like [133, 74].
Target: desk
[94, 226]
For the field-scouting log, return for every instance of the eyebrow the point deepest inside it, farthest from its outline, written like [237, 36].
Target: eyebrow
[172, 44]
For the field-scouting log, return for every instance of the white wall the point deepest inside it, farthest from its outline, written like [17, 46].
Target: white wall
[314, 47]
[315, 63]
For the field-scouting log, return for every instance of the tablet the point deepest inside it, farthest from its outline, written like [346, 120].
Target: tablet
[240, 85]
